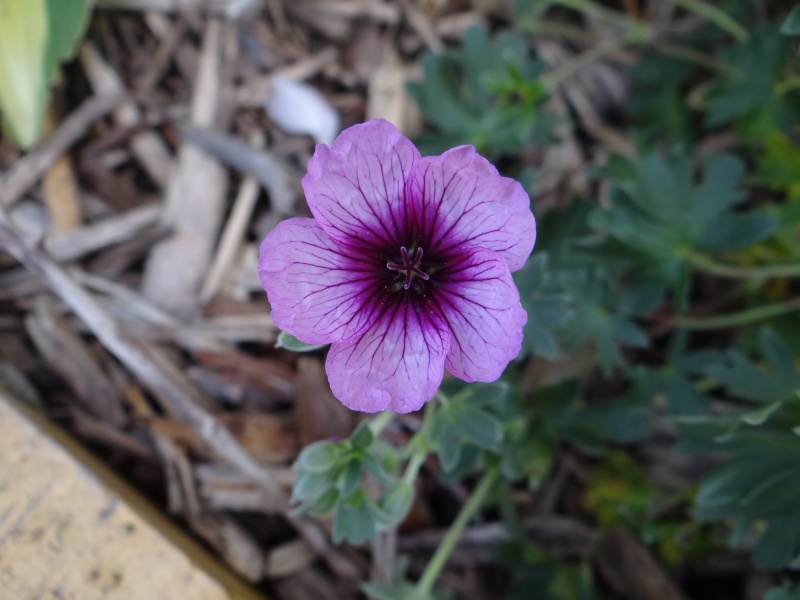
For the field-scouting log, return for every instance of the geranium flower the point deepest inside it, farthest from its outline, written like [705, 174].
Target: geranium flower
[405, 268]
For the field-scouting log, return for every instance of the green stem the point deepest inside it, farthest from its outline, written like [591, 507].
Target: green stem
[699, 58]
[709, 265]
[598, 52]
[745, 317]
[449, 541]
[592, 8]
[720, 18]
[414, 465]
[419, 446]
[380, 422]
[556, 29]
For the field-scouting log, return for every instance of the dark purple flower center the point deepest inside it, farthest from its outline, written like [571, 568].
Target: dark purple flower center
[410, 266]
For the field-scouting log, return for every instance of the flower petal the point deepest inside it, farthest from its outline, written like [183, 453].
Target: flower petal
[460, 199]
[480, 303]
[318, 293]
[397, 365]
[356, 188]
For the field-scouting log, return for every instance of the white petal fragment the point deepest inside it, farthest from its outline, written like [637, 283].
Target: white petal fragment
[301, 109]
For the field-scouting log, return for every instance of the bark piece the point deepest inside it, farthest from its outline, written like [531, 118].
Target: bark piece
[148, 148]
[319, 414]
[70, 357]
[28, 169]
[62, 195]
[78, 243]
[268, 438]
[631, 571]
[166, 382]
[194, 200]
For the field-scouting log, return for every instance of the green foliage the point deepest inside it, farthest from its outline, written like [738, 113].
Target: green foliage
[35, 36]
[547, 311]
[659, 212]
[658, 107]
[23, 34]
[535, 574]
[783, 593]
[487, 94]
[329, 477]
[604, 312]
[791, 26]
[757, 485]
[67, 20]
[470, 420]
[751, 100]
[399, 591]
[676, 379]
[608, 289]
[779, 165]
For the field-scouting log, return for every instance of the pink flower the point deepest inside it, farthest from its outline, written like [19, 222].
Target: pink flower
[405, 269]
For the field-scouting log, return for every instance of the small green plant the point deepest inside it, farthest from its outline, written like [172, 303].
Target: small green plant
[488, 94]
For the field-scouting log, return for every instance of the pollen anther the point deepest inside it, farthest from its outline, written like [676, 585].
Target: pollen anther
[410, 266]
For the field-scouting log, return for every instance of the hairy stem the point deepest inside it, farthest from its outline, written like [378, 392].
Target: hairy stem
[720, 18]
[449, 541]
[709, 265]
[598, 52]
[379, 423]
[745, 317]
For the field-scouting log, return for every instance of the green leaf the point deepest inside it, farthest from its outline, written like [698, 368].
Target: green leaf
[67, 22]
[547, 311]
[602, 313]
[659, 210]
[487, 94]
[778, 545]
[751, 100]
[759, 417]
[779, 164]
[398, 591]
[23, 82]
[326, 503]
[354, 521]
[747, 380]
[791, 26]
[783, 594]
[473, 424]
[375, 469]
[319, 457]
[495, 397]
[362, 437]
[396, 503]
[350, 477]
[657, 105]
[447, 444]
[309, 487]
[291, 343]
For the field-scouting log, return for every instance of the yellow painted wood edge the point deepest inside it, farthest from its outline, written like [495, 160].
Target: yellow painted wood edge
[197, 554]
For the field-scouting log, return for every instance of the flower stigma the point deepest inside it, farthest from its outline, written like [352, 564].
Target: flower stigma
[410, 266]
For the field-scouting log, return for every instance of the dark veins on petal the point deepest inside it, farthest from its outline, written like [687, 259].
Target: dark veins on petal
[402, 271]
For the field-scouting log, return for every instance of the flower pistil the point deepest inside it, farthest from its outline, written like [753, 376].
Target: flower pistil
[410, 266]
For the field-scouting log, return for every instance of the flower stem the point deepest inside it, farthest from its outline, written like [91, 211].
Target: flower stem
[414, 465]
[555, 78]
[720, 18]
[380, 422]
[709, 265]
[592, 8]
[745, 317]
[448, 544]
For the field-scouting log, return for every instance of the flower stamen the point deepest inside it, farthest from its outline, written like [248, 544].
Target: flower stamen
[410, 266]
